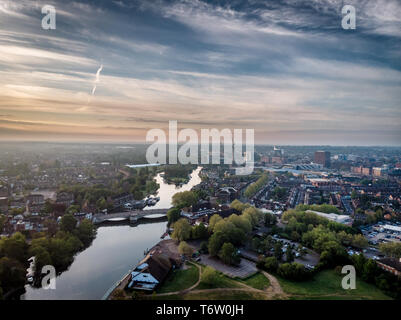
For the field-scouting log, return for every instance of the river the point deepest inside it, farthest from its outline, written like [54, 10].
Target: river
[114, 251]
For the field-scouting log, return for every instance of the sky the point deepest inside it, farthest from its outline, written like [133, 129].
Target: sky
[112, 70]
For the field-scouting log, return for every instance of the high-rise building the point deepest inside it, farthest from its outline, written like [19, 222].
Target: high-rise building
[323, 158]
[277, 152]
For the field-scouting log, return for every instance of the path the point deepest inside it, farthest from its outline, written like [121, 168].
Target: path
[274, 291]
[184, 291]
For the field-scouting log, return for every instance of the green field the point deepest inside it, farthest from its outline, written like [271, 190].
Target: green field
[257, 281]
[180, 279]
[327, 285]
[222, 282]
[224, 295]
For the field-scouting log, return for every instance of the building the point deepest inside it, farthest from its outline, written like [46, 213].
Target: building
[154, 268]
[357, 170]
[323, 158]
[3, 191]
[35, 198]
[65, 198]
[277, 152]
[379, 172]
[391, 228]
[121, 199]
[227, 194]
[343, 219]
[150, 273]
[366, 171]
[35, 203]
[390, 265]
[3, 204]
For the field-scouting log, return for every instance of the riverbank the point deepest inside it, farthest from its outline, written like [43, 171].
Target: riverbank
[117, 247]
[164, 249]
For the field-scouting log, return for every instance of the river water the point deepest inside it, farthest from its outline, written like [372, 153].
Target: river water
[114, 251]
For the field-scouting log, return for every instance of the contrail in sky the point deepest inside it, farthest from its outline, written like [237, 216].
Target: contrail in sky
[97, 79]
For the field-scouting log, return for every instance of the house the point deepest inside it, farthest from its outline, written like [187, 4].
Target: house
[224, 213]
[35, 203]
[198, 212]
[154, 268]
[152, 271]
[65, 198]
[35, 198]
[227, 194]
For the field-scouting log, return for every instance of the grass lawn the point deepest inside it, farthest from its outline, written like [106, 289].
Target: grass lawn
[219, 295]
[257, 281]
[222, 282]
[327, 285]
[224, 295]
[180, 279]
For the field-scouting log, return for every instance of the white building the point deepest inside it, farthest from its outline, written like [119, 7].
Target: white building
[340, 218]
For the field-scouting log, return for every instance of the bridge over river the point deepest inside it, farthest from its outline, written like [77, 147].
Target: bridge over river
[132, 216]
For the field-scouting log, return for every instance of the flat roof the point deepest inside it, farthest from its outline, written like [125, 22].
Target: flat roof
[390, 227]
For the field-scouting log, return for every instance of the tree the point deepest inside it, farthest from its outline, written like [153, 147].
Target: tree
[199, 232]
[72, 209]
[182, 230]
[278, 251]
[85, 232]
[238, 205]
[253, 215]
[270, 219]
[210, 276]
[293, 271]
[173, 215]
[230, 231]
[289, 255]
[185, 249]
[295, 236]
[184, 199]
[271, 264]
[14, 247]
[51, 226]
[256, 186]
[228, 254]
[241, 222]
[359, 241]
[12, 274]
[42, 258]
[391, 249]
[60, 253]
[215, 242]
[203, 247]
[213, 221]
[370, 271]
[68, 223]
[333, 254]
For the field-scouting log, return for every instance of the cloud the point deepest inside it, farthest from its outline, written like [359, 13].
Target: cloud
[278, 67]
